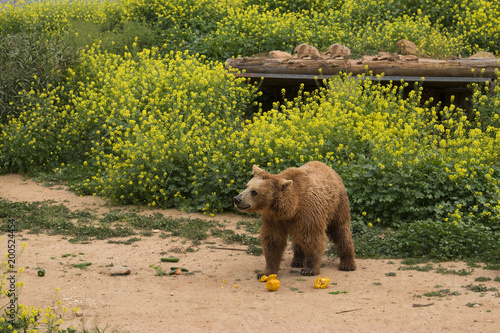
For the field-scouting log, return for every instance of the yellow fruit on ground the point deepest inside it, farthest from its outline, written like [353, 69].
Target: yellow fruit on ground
[266, 278]
[273, 284]
[321, 283]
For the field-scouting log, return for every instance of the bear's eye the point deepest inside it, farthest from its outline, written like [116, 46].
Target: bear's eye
[253, 193]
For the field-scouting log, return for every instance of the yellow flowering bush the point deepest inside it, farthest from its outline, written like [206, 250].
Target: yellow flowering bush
[247, 31]
[296, 5]
[181, 24]
[432, 41]
[53, 18]
[28, 63]
[473, 24]
[154, 129]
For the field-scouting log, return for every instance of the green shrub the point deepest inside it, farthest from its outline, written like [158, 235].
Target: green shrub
[54, 18]
[446, 241]
[247, 31]
[295, 5]
[29, 63]
[180, 23]
[431, 40]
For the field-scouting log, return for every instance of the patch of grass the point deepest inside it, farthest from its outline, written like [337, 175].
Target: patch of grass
[230, 236]
[82, 265]
[473, 264]
[85, 226]
[414, 261]
[254, 250]
[471, 305]
[482, 279]
[479, 288]
[338, 292]
[442, 293]
[390, 274]
[55, 219]
[425, 268]
[493, 267]
[127, 242]
[159, 271]
[252, 227]
[461, 272]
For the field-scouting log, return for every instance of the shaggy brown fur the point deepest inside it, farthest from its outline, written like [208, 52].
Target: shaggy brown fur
[308, 203]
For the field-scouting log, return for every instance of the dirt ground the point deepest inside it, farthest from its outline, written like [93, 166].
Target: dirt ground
[223, 294]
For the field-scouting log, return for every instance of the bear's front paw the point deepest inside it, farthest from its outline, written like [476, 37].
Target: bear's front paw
[297, 263]
[308, 272]
[261, 274]
[347, 266]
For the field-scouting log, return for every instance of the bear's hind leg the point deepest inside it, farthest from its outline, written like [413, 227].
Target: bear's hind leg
[342, 238]
[298, 256]
[339, 231]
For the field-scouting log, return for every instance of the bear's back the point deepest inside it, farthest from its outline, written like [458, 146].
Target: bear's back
[325, 184]
[320, 173]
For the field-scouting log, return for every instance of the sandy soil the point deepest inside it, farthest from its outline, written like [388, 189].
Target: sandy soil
[223, 294]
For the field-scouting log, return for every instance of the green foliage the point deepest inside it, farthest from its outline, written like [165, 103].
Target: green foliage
[461, 272]
[425, 268]
[247, 31]
[442, 293]
[29, 62]
[445, 241]
[179, 23]
[222, 29]
[479, 288]
[295, 5]
[57, 220]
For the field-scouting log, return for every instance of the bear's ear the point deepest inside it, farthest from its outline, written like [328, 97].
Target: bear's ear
[285, 183]
[256, 170]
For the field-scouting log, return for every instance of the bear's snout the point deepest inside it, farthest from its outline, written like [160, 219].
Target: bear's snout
[237, 199]
[240, 205]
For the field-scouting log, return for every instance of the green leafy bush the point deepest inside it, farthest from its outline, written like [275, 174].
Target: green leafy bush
[180, 23]
[247, 31]
[29, 63]
[295, 5]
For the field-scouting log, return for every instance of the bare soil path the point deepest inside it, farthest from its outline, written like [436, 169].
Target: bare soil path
[222, 294]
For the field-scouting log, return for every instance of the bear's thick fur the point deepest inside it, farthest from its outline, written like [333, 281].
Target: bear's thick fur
[308, 203]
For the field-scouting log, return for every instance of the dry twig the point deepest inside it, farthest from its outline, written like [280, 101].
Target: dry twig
[422, 305]
[228, 248]
[348, 311]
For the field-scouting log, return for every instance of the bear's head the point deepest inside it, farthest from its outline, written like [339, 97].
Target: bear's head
[265, 192]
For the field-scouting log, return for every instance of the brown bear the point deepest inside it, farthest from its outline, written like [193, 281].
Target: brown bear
[308, 204]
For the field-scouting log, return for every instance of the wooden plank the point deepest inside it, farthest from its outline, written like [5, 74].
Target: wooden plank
[470, 67]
